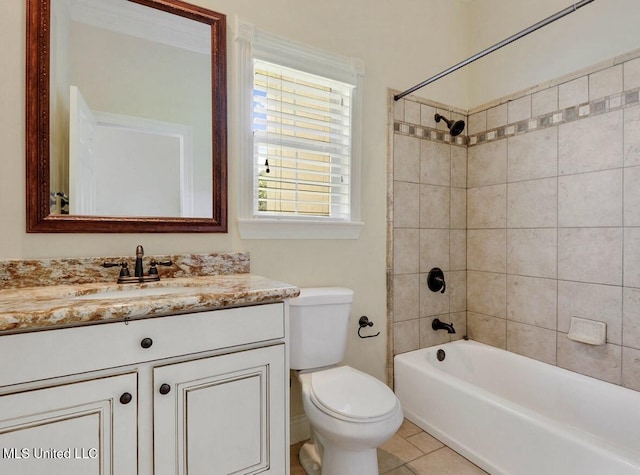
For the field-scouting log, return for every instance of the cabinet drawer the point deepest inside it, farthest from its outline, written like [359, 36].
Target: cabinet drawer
[54, 353]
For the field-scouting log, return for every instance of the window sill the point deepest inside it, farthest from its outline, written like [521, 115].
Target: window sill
[293, 229]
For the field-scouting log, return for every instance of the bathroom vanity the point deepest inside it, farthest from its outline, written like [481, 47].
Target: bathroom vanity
[189, 378]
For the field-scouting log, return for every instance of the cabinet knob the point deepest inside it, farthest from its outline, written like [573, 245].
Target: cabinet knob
[146, 343]
[165, 388]
[126, 398]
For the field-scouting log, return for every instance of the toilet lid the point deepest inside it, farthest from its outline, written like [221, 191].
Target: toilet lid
[351, 393]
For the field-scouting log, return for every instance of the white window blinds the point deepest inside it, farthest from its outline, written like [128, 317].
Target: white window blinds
[302, 144]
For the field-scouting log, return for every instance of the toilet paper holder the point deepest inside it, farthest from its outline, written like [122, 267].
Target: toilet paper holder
[363, 323]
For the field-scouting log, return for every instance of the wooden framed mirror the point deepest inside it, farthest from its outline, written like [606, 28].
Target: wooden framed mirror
[175, 178]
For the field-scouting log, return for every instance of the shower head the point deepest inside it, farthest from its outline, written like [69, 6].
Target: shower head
[455, 128]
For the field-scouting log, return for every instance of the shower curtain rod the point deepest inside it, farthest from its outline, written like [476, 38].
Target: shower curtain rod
[497, 46]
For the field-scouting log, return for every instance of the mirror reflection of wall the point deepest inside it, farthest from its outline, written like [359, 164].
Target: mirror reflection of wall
[109, 153]
[132, 61]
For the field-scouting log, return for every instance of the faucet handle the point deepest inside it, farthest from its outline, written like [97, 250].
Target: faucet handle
[124, 271]
[153, 270]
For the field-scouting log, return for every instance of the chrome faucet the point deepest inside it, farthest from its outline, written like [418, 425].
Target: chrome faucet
[438, 325]
[138, 275]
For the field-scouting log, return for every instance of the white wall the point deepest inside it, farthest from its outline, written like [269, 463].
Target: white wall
[594, 33]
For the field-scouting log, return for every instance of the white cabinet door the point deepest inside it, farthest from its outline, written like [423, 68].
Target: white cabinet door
[82, 428]
[222, 415]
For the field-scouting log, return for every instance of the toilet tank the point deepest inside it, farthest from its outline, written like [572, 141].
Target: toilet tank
[318, 324]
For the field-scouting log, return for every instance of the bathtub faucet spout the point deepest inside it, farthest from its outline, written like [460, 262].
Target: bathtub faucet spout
[438, 325]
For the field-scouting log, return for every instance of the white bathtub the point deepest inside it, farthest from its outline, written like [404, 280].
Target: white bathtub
[514, 415]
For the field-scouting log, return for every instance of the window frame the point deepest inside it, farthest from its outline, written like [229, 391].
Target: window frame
[253, 44]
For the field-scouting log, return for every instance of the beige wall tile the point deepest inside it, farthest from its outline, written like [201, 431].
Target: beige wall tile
[592, 301]
[406, 336]
[497, 117]
[486, 250]
[632, 257]
[458, 249]
[427, 114]
[602, 362]
[532, 300]
[590, 199]
[591, 144]
[459, 167]
[573, 92]
[533, 155]
[406, 297]
[487, 164]
[632, 196]
[435, 163]
[487, 207]
[457, 290]
[398, 110]
[631, 368]
[406, 158]
[434, 206]
[458, 208]
[519, 109]
[477, 123]
[544, 102]
[532, 204]
[532, 252]
[632, 136]
[487, 329]
[591, 255]
[406, 204]
[406, 250]
[605, 83]
[434, 249]
[487, 293]
[532, 342]
[631, 74]
[631, 318]
[412, 112]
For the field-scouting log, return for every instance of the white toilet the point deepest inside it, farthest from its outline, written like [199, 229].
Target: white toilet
[350, 412]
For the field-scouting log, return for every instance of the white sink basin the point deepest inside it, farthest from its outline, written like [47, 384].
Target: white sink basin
[132, 293]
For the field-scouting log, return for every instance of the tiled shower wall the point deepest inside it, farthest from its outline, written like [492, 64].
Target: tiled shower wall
[552, 223]
[427, 226]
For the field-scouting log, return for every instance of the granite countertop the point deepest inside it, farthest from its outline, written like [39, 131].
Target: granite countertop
[38, 308]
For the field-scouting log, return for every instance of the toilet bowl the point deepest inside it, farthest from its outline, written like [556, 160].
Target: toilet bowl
[350, 412]
[351, 415]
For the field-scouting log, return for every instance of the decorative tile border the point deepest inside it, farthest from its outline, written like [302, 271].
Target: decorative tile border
[552, 119]
[428, 133]
[611, 103]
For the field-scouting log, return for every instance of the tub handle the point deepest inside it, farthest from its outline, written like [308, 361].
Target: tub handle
[363, 323]
[435, 280]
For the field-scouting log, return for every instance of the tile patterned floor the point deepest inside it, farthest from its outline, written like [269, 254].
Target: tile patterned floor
[411, 451]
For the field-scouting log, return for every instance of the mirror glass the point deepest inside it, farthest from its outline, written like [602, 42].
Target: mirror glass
[136, 112]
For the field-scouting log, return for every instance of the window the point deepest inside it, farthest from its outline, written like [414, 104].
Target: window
[299, 140]
[301, 143]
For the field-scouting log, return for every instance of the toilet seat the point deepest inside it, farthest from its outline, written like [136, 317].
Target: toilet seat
[348, 394]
